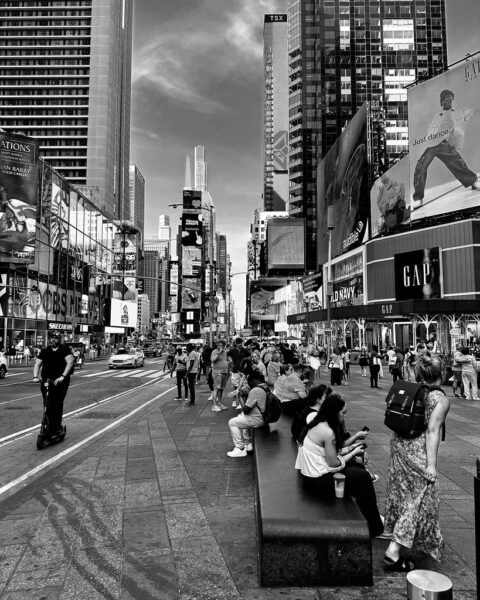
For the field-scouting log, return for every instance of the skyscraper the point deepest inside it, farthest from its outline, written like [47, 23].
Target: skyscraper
[341, 54]
[164, 229]
[200, 174]
[137, 199]
[65, 80]
[275, 114]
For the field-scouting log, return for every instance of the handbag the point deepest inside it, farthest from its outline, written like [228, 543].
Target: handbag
[330, 364]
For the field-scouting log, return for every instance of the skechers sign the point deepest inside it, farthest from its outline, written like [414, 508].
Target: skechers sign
[418, 275]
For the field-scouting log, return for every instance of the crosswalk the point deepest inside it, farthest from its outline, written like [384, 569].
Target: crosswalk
[134, 374]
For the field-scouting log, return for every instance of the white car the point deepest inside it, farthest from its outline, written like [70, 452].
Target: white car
[126, 357]
[3, 365]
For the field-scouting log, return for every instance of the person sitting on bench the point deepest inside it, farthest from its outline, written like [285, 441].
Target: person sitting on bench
[321, 455]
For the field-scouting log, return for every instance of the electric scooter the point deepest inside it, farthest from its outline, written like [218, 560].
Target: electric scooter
[44, 437]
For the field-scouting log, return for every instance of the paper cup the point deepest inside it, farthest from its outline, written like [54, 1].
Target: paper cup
[339, 485]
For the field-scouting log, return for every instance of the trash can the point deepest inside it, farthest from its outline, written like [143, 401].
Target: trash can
[428, 585]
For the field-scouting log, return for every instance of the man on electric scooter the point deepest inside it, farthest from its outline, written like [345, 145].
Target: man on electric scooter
[56, 364]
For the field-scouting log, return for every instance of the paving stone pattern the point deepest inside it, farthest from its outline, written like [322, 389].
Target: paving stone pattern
[160, 513]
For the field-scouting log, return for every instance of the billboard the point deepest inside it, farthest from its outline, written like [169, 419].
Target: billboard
[123, 313]
[124, 254]
[389, 201]
[18, 198]
[192, 230]
[261, 303]
[418, 275]
[191, 261]
[191, 294]
[192, 200]
[444, 128]
[342, 182]
[286, 243]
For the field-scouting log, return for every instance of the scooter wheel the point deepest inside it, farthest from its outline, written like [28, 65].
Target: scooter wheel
[41, 443]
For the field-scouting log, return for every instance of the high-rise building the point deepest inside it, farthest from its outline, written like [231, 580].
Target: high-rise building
[164, 229]
[150, 268]
[137, 199]
[343, 53]
[200, 166]
[275, 113]
[66, 80]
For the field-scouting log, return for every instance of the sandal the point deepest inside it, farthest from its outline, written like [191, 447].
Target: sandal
[402, 565]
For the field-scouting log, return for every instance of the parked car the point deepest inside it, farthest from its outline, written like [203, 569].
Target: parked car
[127, 357]
[150, 351]
[3, 365]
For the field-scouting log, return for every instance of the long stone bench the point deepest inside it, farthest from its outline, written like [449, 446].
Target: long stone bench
[304, 541]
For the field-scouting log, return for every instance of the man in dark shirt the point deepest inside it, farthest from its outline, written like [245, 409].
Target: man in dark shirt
[236, 355]
[56, 364]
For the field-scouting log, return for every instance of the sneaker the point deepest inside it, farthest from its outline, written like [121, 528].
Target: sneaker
[178, 398]
[234, 404]
[222, 406]
[210, 397]
[476, 185]
[216, 408]
[237, 453]
[374, 477]
[417, 204]
[249, 447]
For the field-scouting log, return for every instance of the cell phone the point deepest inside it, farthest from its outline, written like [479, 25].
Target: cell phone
[367, 429]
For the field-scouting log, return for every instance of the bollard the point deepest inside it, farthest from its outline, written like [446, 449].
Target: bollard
[476, 495]
[428, 585]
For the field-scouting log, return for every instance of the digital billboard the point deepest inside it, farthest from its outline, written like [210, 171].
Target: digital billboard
[261, 303]
[124, 254]
[389, 203]
[342, 182]
[418, 275]
[192, 200]
[191, 261]
[123, 313]
[18, 198]
[444, 128]
[191, 293]
[192, 230]
[286, 243]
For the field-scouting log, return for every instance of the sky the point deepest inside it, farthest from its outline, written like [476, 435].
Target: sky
[197, 79]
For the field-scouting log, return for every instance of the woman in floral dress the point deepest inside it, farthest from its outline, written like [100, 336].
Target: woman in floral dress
[412, 506]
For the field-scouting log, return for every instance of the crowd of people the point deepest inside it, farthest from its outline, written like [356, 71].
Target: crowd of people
[325, 447]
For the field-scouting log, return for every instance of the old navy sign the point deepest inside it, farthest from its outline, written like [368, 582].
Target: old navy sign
[418, 275]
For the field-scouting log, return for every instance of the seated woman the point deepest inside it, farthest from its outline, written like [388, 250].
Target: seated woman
[322, 455]
[314, 401]
[292, 393]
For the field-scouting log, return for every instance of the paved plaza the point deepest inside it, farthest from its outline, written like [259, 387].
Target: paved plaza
[156, 510]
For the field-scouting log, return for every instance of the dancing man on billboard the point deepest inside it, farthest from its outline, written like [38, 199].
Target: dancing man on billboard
[445, 138]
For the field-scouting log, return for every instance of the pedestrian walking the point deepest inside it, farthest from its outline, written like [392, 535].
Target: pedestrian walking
[179, 365]
[220, 369]
[363, 361]
[374, 363]
[192, 371]
[469, 373]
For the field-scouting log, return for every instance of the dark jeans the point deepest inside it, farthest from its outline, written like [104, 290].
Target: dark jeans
[293, 407]
[192, 380]
[397, 374]
[53, 400]
[335, 376]
[451, 158]
[358, 484]
[182, 376]
[374, 371]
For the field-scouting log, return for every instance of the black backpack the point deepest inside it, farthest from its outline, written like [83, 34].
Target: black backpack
[405, 413]
[273, 406]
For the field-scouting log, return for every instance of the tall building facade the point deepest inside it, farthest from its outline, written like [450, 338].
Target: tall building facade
[164, 229]
[200, 170]
[66, 80]
[275, 114]
[341, 54]
[150, 268]
[137, 199]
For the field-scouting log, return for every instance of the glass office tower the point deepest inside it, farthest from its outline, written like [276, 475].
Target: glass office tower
[341, 54]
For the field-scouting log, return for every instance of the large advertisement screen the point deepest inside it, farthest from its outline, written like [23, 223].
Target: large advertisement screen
[418, 275]
[261, 303]
[286, 244]
[18, 198]
[124, 254]
[444, 129]
[123, 313]
[192, 230]
[342, 182]
[191, 293]
[192, 200]
[389, 202]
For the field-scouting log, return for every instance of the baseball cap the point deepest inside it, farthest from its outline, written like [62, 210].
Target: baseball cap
[56, 334]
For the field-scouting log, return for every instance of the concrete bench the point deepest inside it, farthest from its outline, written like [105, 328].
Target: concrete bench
[304, 541]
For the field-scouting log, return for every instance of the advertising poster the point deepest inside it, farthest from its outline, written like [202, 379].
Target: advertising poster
[192, 200]
[18, 198]
[123, 313]
[124, 254]
[3, 294]
[389, 202]
[191, 261]
[59, 215]
[348, 292]
[173, 291]
[191, 294]
[418, 275]
[192, 230]
[444, 129]
[261, 302]
[286, 244]
[342, 182]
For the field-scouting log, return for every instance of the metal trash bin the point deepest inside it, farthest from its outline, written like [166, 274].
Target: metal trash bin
[428, 585]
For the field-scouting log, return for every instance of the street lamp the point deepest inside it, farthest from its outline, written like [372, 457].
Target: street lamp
[211, 308]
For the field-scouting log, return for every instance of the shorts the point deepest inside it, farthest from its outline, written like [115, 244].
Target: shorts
[235, 379]
[220, 381]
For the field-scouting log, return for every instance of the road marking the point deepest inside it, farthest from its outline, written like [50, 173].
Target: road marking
[68, 451]
[14, 374]
[14, 436]
[127, 374]
[97, 374]
[143, 373]
[156, 374]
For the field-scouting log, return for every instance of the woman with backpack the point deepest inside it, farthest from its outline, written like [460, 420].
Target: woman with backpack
[322, 454]
[412, 505]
